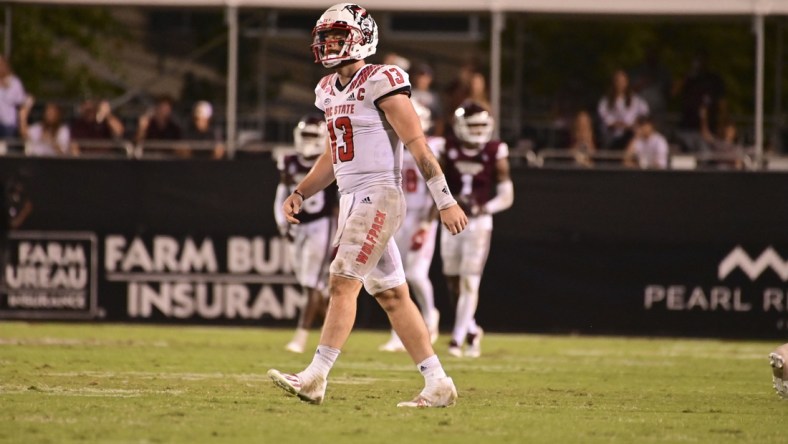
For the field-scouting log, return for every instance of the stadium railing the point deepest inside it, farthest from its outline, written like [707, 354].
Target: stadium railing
[562, 157]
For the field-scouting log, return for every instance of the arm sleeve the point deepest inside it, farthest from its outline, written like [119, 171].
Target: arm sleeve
[504, 198]
[503, 151]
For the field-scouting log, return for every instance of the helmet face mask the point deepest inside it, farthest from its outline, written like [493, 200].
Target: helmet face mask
[473, 124]
[331, 44]
[344, 32]
[310, 136]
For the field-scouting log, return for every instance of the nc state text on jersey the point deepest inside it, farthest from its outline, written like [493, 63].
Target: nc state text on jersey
[345, 108]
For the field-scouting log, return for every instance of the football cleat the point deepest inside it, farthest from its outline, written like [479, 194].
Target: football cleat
[455, 349]
[393, 345]
[443, 394]
[474, 349]
[312, 392]
[295, 347]
[779, 379]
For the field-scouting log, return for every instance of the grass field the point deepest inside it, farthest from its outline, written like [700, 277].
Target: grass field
[118, 383]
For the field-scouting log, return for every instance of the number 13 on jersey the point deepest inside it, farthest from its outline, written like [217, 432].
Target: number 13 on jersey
[341, 150]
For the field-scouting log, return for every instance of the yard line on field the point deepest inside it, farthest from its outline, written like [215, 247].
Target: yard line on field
[244, 377]
[86, 391]
[182, 376]
[695, 353]
[73, 342]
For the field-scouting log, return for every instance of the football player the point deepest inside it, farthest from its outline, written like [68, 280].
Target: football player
[416, 238]
[477, 170]
[310, 241]
[368, 116]
[778, 359]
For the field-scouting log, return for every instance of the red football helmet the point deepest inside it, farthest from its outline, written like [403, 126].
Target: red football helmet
[348, 28]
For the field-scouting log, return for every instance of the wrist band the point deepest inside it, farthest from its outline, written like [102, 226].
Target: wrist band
[440, 192]
[300, 194]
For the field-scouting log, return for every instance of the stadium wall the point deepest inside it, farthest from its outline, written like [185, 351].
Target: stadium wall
[589, 251]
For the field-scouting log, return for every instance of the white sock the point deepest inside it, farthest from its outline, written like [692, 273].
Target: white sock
[322, 362]
[466, 307]
[431, 369]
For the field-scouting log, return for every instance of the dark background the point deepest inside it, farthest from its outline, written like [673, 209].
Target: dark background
[574, 253]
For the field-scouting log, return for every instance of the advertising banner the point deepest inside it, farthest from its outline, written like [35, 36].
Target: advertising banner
[586, 251]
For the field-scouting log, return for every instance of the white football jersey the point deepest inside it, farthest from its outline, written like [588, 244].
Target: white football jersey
[417, 195]
[366, 151]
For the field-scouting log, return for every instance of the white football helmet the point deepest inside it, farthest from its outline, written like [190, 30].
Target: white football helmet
[310, 135]
[473, 123]
[345, 31]
[425, 115]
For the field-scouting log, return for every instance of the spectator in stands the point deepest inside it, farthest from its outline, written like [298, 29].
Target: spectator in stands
[701, 92]
[12, 95]
[725, 151]
[93, 127]
[648, 148]
[469, 85]
[652, 81]
[204, 137]
[50, 136]
[157, 125]
[460, 89]
[478, 90]
[619, 109]
[421, 78]
[583, 146]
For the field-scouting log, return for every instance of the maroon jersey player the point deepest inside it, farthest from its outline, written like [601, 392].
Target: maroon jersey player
[477, 171]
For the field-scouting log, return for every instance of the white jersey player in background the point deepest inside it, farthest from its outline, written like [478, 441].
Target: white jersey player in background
[778, 360]
[416, 238]
[368, 115]
[309, 245]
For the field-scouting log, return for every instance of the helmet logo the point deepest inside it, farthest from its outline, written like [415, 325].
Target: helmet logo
[363, 20]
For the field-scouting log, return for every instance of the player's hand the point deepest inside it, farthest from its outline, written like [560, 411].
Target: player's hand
[454, 219]
[291, 207]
